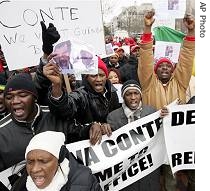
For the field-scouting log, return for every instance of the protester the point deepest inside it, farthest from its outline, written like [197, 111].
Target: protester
[51, 167]
[133, 109]
[163, 83]
[114, 76]
[3, 64]
[129, 70]
[123, 59]
[74, 84]
[94, 100]
[3, 81]
[27, 119]
[88, 104]
[50, 36]
[113, 61]
[115, 79]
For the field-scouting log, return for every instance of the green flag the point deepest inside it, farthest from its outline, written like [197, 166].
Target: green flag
[167, 34]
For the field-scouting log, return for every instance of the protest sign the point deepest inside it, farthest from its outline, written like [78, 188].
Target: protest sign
[138, 148]
[168, 12]
[75, 57]
[21, 35]
[179, 131]
[167, 49]
[168, 43]
[132, 152]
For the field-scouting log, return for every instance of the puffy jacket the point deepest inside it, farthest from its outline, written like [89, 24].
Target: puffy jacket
[15, 135]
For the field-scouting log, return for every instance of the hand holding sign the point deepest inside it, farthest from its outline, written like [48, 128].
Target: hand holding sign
[50, 36]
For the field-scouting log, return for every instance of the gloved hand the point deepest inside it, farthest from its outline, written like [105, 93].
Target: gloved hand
[50, 36]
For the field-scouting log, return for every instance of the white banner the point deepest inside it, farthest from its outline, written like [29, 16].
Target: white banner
[138, 148]
[21, 35]
[179, 131]
[132, 152]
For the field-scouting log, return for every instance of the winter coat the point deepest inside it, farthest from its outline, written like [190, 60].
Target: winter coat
[117, 119]
[80, 178]
[42, 85]
[153, 91]
[123, 61]
[129, 70]
[85, 104]
[15, 135]
[122, 119]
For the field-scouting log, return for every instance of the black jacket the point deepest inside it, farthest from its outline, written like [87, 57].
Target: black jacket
[129, 70]
[15, 135]
[85, 104]
[42, 84]
[80, 178]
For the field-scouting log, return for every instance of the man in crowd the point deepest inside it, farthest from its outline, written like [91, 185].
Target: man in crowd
[27, 119]
[88, 104]
[129, 70]
[131, 110]
[162, 83]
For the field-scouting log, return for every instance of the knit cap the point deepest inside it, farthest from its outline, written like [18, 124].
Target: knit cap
[130, 84]
[21, 81]
[133, 48]
[102, 66]
[161, 60]
[50, 141]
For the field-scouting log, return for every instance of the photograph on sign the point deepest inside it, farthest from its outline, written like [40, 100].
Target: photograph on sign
[62, 58]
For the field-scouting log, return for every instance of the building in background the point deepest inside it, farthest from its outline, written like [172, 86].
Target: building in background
[130, 18]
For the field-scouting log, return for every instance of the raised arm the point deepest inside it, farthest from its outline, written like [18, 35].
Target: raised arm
[145, 63]
[50, 36]
[184, 67]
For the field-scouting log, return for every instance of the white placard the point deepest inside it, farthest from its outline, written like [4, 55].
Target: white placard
[21, 35]
[167, 49]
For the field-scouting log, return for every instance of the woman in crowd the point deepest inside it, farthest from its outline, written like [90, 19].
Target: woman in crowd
[51, 167]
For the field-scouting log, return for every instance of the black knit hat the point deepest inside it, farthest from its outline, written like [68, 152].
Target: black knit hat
[21, 81]
[130, 84]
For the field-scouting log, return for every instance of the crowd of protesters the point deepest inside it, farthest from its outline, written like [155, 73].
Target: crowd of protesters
[33, 104]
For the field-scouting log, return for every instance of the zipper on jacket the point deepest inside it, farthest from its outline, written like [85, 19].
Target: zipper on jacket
[32, 128]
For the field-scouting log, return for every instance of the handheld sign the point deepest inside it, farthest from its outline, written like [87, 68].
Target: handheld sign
[21, 35]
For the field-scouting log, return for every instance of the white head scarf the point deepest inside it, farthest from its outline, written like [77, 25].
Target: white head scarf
[50, 141]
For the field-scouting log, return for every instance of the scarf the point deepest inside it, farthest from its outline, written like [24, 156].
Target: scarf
[58, 181]
[132, 115]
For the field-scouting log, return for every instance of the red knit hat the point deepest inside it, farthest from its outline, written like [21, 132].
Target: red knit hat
[161, 60]
[133, 48]
[102, 66]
